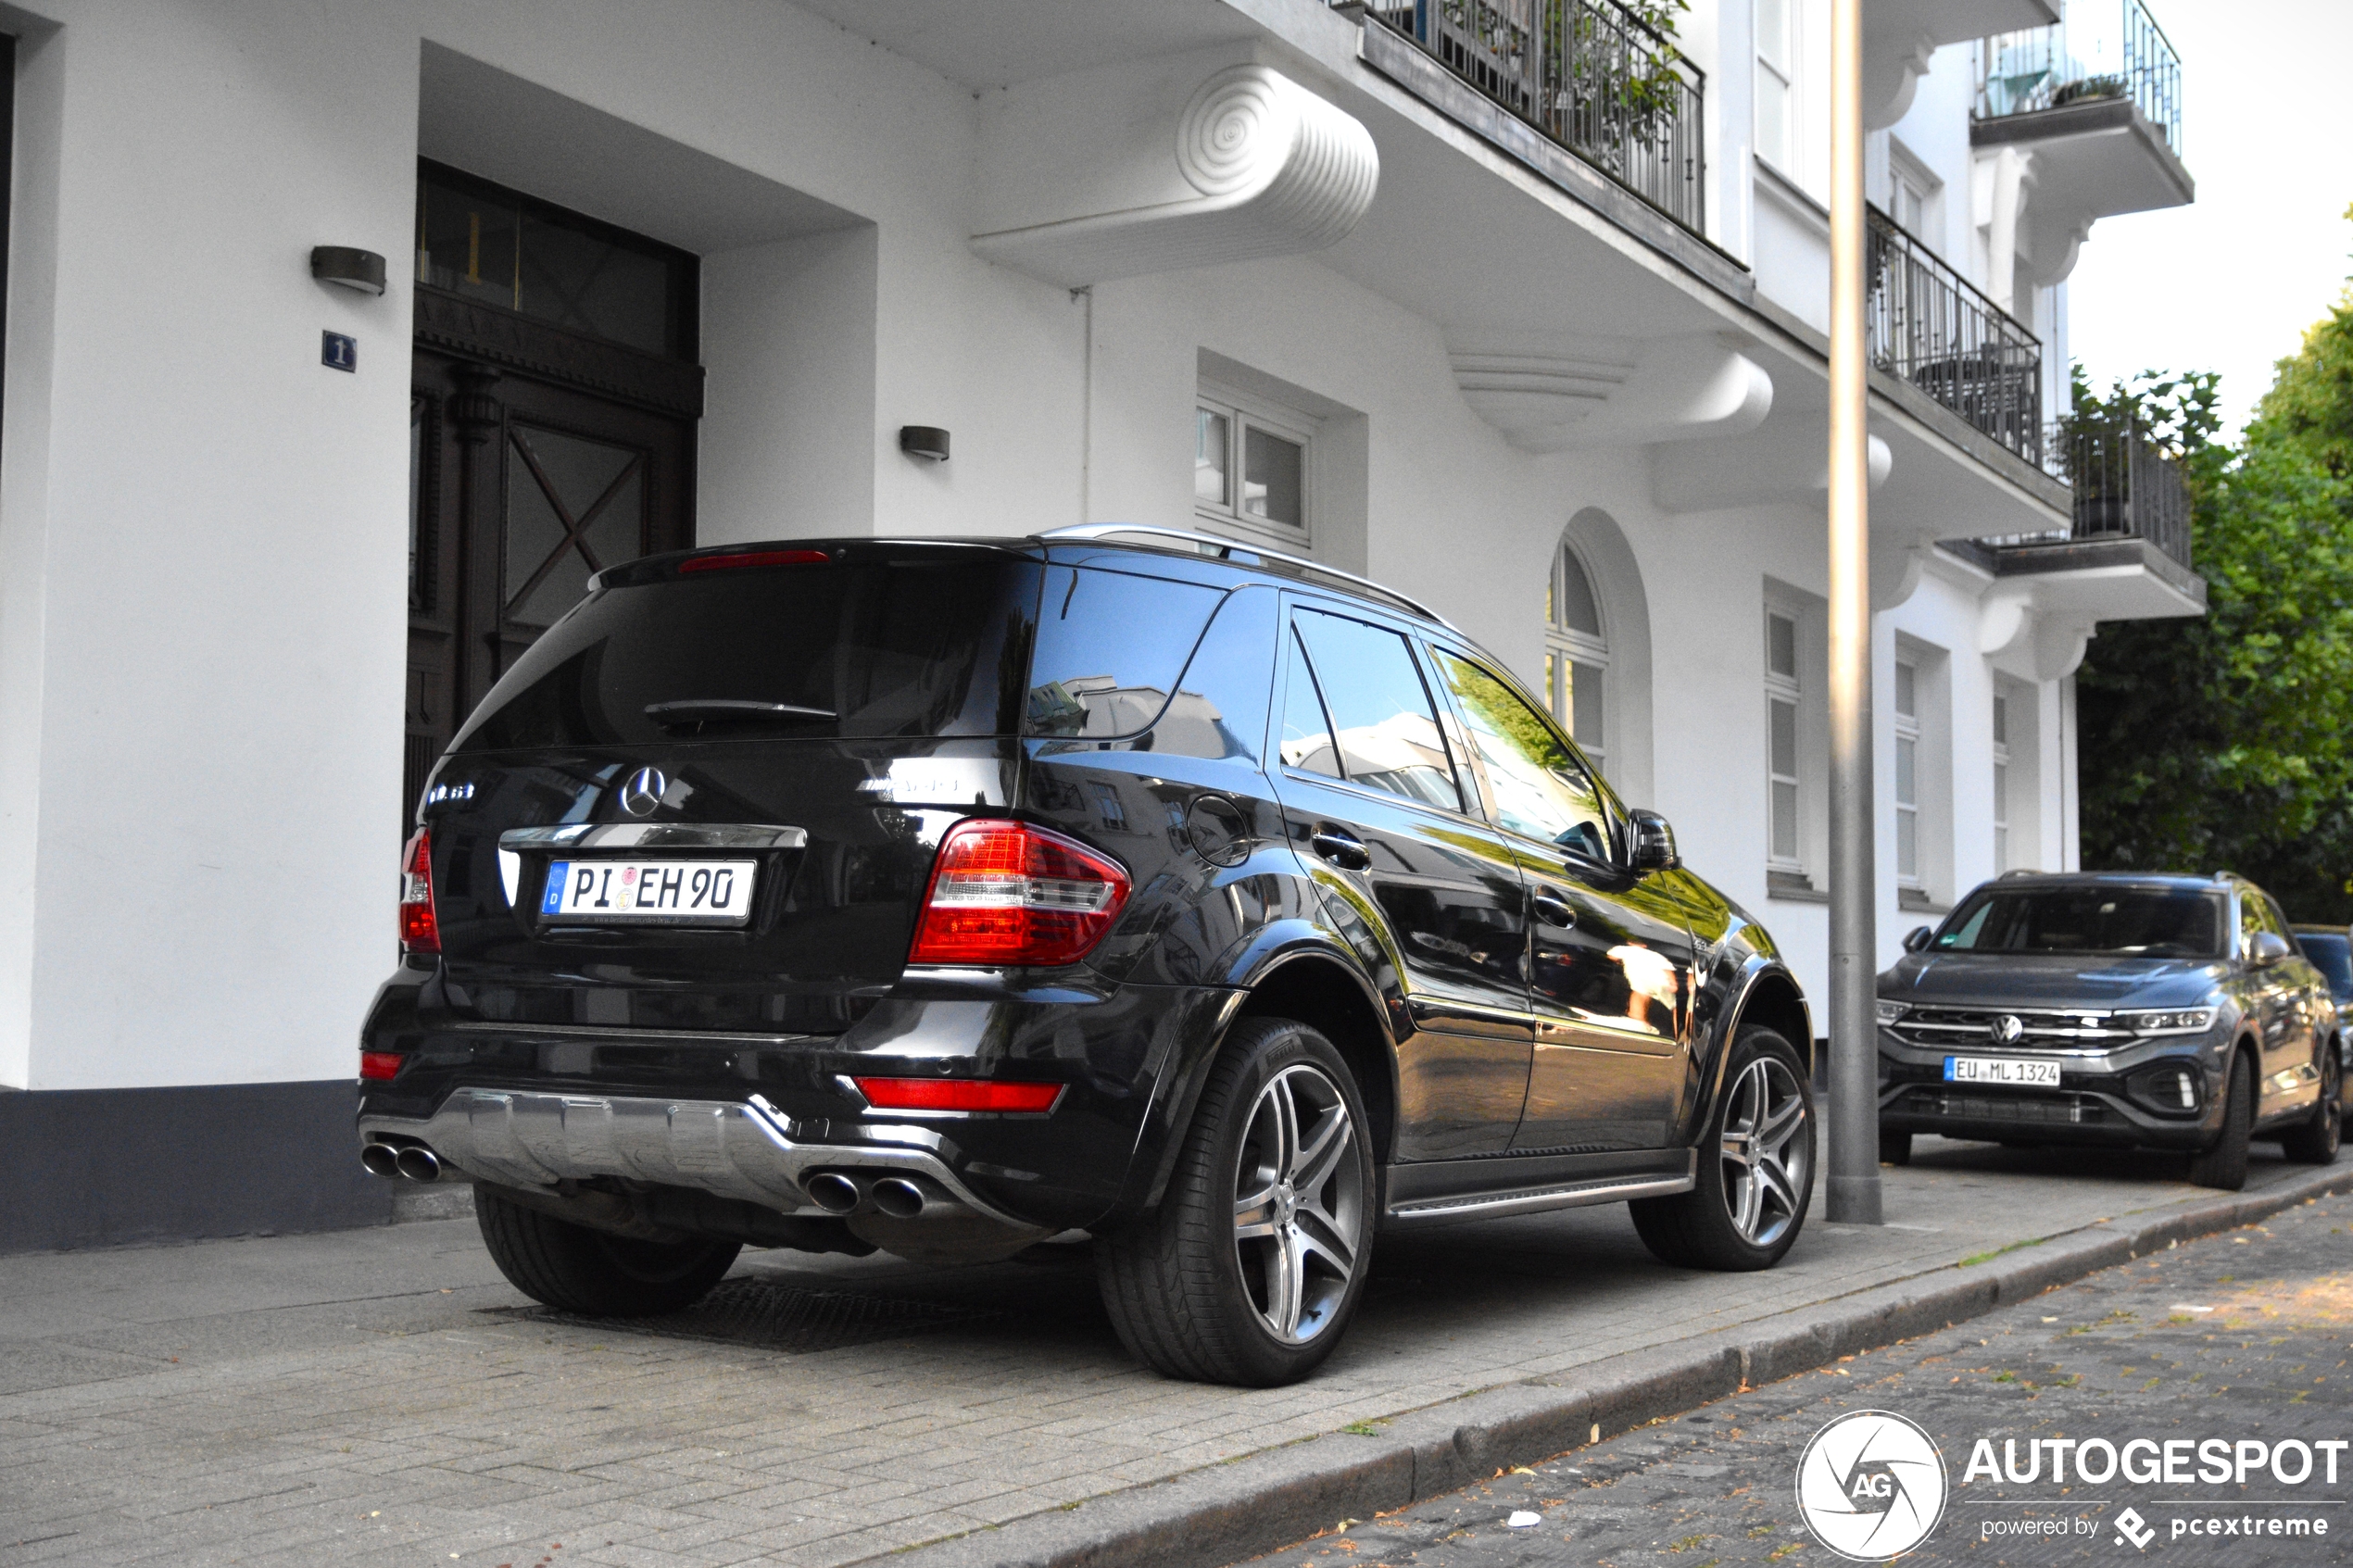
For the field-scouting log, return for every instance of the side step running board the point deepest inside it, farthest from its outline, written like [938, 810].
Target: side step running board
[1531, 1200]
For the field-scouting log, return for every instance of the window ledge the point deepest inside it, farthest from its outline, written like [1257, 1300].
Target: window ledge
[1915, 900]
[1792, 887]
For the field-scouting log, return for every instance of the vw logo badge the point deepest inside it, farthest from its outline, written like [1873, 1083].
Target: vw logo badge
[2003, 1030]
[641, 796]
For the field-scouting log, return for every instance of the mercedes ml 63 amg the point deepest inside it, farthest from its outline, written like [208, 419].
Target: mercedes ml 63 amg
[943, 896]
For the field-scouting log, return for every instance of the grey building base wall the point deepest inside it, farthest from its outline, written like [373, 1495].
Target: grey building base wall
[101, 1167]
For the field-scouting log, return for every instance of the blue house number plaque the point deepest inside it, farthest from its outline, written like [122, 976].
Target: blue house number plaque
[338, 352]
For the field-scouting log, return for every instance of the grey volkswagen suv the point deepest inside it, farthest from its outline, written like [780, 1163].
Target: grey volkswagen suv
[2116, 1010]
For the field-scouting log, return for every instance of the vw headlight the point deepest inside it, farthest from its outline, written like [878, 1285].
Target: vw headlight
[2178, 1021]
[1889, 1011]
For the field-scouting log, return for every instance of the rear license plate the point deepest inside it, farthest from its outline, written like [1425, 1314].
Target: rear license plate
[2016, 1070]
[650, 891]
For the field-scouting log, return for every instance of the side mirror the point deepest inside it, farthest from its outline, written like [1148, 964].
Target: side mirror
[2268, 948]
[1917, 938]
[1653, 847]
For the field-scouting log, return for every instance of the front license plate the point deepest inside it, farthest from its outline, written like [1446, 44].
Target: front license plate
[2017, 1071]
[663, 892]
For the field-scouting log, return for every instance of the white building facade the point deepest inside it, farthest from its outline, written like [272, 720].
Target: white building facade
[1508, 302]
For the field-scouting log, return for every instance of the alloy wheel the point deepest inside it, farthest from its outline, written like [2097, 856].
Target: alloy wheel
[1767, 1149]
[1299, 1204]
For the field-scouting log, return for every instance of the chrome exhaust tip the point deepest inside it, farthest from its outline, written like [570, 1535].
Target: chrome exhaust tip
[380, 1159]
[899, 1198]
[832, 1191]
[418, 1164]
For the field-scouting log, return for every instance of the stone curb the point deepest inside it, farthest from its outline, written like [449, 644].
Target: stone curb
[1220, 1515]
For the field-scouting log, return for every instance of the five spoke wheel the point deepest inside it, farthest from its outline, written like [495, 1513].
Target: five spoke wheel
[1768, 1151]
[1299, 1203]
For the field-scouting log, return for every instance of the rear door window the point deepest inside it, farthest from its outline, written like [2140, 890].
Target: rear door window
[1384, 725]
[1111, 646]
[856, 649]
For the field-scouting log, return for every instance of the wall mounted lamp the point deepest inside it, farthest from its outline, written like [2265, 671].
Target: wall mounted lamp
[361, 270]
[927, 442]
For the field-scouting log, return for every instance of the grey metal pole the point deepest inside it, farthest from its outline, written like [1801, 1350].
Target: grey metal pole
[1854, 1112]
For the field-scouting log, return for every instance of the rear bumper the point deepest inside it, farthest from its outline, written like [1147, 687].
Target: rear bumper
[749, 1151]
[750, 1117]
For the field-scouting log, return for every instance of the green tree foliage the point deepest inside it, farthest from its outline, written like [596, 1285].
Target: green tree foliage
[2228, 742]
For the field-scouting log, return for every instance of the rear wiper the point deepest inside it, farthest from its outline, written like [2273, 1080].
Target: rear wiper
[724, 709]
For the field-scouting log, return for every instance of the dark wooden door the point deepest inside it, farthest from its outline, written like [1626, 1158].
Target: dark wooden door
[519, 488]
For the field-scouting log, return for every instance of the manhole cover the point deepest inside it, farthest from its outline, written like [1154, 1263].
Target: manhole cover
[763, 1316]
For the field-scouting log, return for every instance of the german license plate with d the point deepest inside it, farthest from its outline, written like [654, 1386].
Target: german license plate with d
[650, 891]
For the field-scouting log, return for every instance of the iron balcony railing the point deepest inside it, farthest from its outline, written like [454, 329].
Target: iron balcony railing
[2081, 59]
[1927, 324]
[1586, 74]
[2126, 487]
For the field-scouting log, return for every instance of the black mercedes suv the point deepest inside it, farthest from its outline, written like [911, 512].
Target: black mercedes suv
[944, 897]
[2114, 1009]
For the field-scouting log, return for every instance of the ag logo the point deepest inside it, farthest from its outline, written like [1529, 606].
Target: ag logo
[1870, 1486]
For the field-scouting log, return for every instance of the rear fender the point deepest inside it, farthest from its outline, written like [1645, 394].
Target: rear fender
[1291, 958]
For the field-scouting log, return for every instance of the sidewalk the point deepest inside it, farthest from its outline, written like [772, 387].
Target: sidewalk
[383, 1395]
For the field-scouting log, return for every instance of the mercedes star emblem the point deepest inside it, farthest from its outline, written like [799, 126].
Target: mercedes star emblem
[641, 796]
[2005, 1029]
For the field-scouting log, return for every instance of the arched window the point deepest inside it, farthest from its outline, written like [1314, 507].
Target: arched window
[1576, 653]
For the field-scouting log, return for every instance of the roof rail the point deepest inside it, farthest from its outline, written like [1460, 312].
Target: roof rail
[1226, 549]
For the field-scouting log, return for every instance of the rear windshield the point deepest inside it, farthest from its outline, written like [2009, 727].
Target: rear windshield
[2330, 956]
[872, 649]
[2128, 922]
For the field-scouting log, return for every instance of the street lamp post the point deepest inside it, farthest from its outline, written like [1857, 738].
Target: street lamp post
[1854, 1028]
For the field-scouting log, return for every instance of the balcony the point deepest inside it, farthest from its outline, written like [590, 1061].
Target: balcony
[2098, 99]
[1584, 73]
[1925, 324]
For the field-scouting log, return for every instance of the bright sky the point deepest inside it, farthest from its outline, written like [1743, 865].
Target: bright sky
[2230, 283]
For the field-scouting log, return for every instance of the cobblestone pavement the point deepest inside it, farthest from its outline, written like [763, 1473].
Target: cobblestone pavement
[2240, 1336]
[383, 1396]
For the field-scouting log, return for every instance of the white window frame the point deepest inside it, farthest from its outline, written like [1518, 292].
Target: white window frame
[1785, 689]
[1243, 413]
[1782, 72]
[1908, 732]
[2001, 782]
[1908, 175]
[1566, 646]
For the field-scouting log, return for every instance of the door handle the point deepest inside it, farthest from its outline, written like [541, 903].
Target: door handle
[1341, 848]
[1554, 910]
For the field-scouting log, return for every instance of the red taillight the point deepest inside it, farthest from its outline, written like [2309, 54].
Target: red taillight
[957, 1094]
[420, 929]
[380, 1064]
[753, 557]
[1007, 893]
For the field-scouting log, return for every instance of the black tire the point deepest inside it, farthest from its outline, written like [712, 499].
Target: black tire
[1894, 1148]
[1198, 1288]
[2223, 1167]
[1750, 1199]
[574, 1269]
[2315, 1143]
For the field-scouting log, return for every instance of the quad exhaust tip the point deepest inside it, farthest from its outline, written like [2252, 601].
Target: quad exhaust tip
[832, 1192]
[899, 1198]
[413, 1161]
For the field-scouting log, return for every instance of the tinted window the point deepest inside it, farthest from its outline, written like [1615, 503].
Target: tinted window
[1307, 734]
[1541, 789]
[1110, 647]
[2332, 956]
[2129, 921]
[1220, 706]
[878, 648]
[1383, 722]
